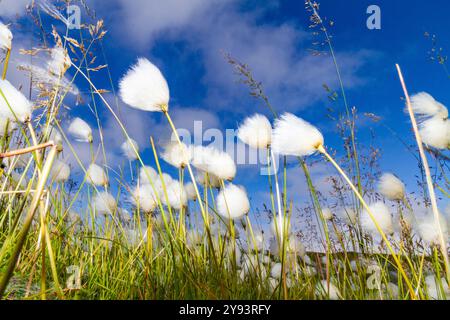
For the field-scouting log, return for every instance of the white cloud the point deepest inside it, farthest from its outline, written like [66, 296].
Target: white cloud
[11, 8]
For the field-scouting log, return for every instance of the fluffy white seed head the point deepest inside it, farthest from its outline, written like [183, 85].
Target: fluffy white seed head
[176, 195]
[280, 226]
[96, 175]
[232, 202]
[146, 172]
[144, 197]
[128, 150]
[5, 37]
[382, 216]
[293, 136]
[349, 216]
[213, 161]
[21, 107]
[429, 229]
[435, 132]
[190, 191]
[60, 171]
[104, 203]
[59, 61]
[144, 87]
[204, 178]
[391, 187]
[256, 131]
[178, 155]
[327, 214]
[80, 130]
[295, 247]
[423, 104]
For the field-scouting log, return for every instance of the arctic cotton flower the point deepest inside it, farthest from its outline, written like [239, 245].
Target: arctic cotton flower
[128, 148]
[381, 215]
[144, 197]
[429, 230]
[144, 87]
[5, 37]
[80, 130]
[60, 171]
[349, 216]
[59, 62]
[190, 191]
[176, 195]
[214, 161]
[104, 203]
[391, 187]
[327, 214]
[176, 154]
[96, 175]
[424, 104]
[145, 173]
[204, 178]
[19, 104]
[295, 137]
[435, 132]
[232, 202]
[280, 226]
[256, 131]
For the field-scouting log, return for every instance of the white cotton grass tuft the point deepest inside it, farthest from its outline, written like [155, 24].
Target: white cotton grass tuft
[381, 215]
[349, 216]
[176, 154]
[190, 191]
[327, 214]
[80, 130]
[214, 161]
[146, 173]
[59, 61]
[144, 87]
[435, 132]
[176, 195]
[327, 290]
[144, 197]
[256, 131]
[391, 187]
[128, 148]
[21, 107]
[293, 136]
[6, 37]
[428, 228]
[60, 171]
[423, 104]
[96, 175]
[204, 178]
[232, 202]
[280, 226]
[104, 203]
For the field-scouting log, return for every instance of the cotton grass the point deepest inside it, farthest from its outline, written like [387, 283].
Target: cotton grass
[391, 187]
[5, 37]
[232, 202]
[13, 103]
[256, 131]
[80, 130]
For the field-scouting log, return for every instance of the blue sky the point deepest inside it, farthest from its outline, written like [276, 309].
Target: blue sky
[186, 39]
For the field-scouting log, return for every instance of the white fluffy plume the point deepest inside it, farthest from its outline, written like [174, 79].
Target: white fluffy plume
[176, 195]
[391, 187]
[429, 230]
[128, 150]
[5, 37]
[178, 155]
[214, 161]
[59, 62]
[204, 178]
[96, 175]
[60, 171]
[80, 130]
[435, 132]
[295, 137]
[21, 107]
[423, 104]
[146, 173]
[327, 214]
[349, 216]
[190, 191]
[256, 131]
[232, 202]
[144, 197]
[104, 203]
[144, 87]
[381, 215]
